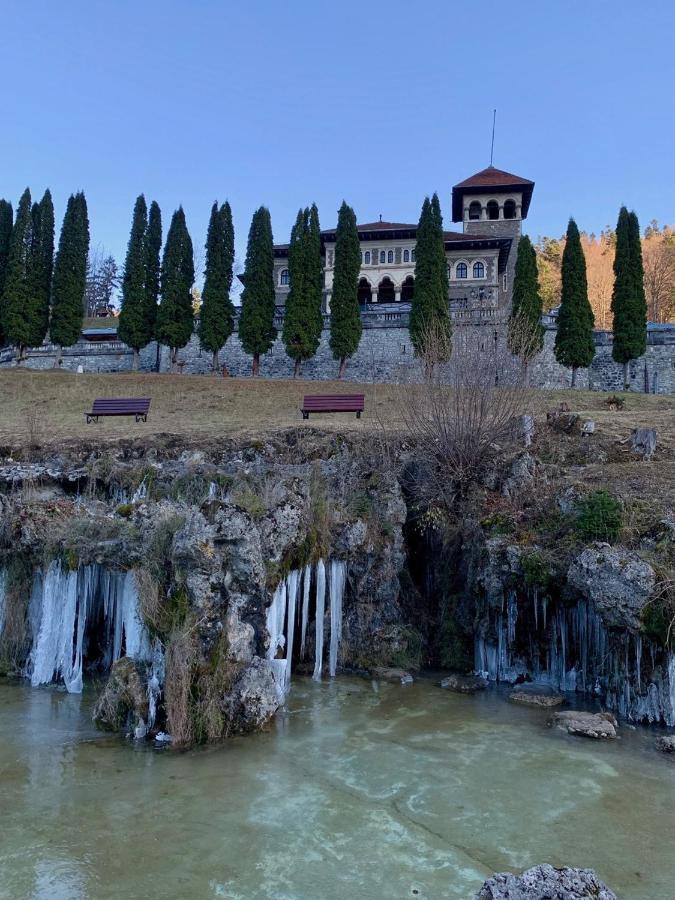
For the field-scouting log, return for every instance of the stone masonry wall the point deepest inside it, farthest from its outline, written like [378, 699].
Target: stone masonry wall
[384, 355]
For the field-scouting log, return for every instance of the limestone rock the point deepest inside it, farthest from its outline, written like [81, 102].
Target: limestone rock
[254, 697]
[397, 676]
[124, 701]
[522, 471]
[464, 684]
[666, 743]
[546, 883]
[537, 698]
[601, 726]
[617, 581]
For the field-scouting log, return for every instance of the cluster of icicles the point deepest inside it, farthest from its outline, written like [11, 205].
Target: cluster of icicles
[571, 650]
[70, 610]
[293, 596]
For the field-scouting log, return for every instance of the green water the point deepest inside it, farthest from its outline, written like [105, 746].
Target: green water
[353, 793]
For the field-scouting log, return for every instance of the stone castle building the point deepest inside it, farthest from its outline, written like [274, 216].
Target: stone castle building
[491, 206]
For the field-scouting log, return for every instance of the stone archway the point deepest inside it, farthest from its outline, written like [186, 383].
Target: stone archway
[408, 289]
[386, 292]
[364, 292]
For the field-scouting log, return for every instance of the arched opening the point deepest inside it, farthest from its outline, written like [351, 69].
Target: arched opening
[510, 209]
[385, 291]
[492, 209]
[474, 210]
[406, 256]
[478, 270]
[461, 270]
[285, 277]
[408, 289]
[364, 291]
[367, 258]
[390, 257]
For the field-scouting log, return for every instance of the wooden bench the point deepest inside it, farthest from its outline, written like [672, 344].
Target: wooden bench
[330, 403]
[119, 406]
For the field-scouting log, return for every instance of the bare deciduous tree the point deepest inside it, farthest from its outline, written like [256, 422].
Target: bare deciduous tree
[462, 417]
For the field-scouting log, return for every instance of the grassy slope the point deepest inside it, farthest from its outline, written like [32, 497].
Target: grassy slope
[46, 408]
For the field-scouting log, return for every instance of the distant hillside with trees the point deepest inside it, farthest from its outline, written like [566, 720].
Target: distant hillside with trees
[658, 255]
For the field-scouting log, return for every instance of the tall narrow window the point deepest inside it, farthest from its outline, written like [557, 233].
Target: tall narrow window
[492, 209]
[382, 256]
[406, 256]
[390, 256]
[510, 209]
[367, 261]
[412, 255]
[461, 270]
[284, 278]
[478, 270]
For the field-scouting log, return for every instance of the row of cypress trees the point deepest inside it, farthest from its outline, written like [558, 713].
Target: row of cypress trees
[40, 294]
[574, 345]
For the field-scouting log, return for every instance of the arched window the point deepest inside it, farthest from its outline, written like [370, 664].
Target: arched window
[492, 209]
[284, 277]
[478, 270]
[390, 256]
[461, 270]
[383, 256]
[406, 256]
[474, 210]
[367, 257]
[510, 209]
[412, 255]
[408, 289]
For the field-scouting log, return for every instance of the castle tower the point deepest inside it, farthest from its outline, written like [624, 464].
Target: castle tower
[494, 203]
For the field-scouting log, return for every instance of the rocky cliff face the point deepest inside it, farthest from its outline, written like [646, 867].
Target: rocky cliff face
[190, 583]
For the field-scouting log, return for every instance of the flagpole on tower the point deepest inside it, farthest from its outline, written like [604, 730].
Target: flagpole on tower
[492, 145]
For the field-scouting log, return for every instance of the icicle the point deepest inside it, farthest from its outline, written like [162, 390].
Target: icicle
[155, 681]
[140, 493]
[292, 583]
[62, 620]
[276, 615]
[3, 598]
[544, 607]
[306, 582]
[338, 571]
[213, 490]
[320, 612]
[535, 595]
[638, 660]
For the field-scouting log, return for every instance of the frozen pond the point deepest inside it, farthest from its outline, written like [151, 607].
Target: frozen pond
[355, 792]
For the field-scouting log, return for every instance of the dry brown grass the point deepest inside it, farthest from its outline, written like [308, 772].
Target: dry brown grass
[49, 407]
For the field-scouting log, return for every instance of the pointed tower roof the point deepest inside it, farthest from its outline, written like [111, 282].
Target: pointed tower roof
[491, 179]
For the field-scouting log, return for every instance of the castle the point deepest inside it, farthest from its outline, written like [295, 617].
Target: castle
[481, 258]
[491, 206]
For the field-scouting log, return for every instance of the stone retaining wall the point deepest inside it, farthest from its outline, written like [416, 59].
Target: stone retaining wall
[384, 354]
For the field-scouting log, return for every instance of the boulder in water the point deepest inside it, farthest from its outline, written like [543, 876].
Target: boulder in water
[537, 698]
[397, 676]
[542, 882]
[666, 743]
[601, 726]
[124, 701]
[464, 684]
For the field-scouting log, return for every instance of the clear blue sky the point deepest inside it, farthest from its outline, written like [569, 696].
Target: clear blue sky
[375, 102]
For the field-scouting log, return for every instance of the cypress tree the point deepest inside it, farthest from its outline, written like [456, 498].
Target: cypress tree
[18, 307]
[6, 223]
[153, 249]
[217, 312]
[430, 322]
[629, 305]
[574, 345]
[256, 321]
[175, 317]
[345, 315]
[70, 274]
[133, 326]
[42, 265]
[303, 320]
[526, 333]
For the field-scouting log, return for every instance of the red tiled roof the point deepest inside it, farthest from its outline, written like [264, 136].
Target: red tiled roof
[492, 177]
